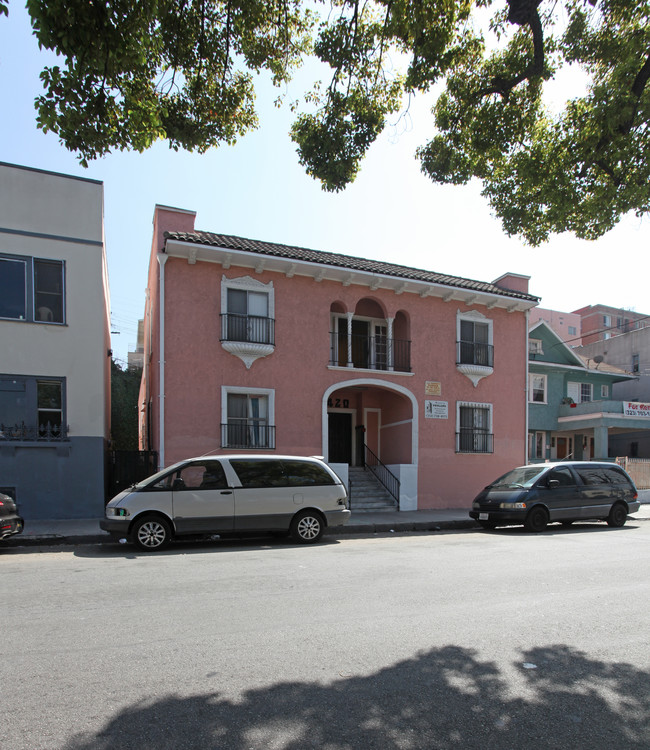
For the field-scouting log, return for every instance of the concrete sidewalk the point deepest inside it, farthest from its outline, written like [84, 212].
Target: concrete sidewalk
[87, 531]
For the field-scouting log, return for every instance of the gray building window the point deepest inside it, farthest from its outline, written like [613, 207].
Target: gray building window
[32, 289]
[32, 408]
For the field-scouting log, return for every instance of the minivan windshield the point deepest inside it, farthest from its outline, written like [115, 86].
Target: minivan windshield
[522, 476]
[154, 478]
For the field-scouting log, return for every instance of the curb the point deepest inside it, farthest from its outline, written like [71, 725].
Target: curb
[361, 528]
[55, 540]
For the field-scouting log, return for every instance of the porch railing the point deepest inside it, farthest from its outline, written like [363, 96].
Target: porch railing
[383, 474]
[370, 352]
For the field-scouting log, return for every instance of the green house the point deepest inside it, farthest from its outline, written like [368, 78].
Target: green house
[571, 414]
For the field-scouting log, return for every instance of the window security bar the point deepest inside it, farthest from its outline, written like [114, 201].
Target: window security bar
[474, 441]
[247, 433]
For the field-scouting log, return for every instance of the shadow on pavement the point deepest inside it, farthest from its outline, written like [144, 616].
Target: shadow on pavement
[443, 698]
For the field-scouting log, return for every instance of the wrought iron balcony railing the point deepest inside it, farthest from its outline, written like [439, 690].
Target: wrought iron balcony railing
[370, 352]
[43, 433]
[249, 328]
[472, 353]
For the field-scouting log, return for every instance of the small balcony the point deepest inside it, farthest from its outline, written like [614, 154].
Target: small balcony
[369, 352]
[44, 433]
[247, 329]
[473, 353]
[247, 433]
[248, 337]
[474, 360]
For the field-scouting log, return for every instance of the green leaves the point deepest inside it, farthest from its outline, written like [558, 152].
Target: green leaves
[178, 70]
[183, 71]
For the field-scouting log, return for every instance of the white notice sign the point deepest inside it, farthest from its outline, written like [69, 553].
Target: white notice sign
[636, 409]
[436, 410]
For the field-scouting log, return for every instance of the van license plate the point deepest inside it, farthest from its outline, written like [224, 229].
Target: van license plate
[483, 516]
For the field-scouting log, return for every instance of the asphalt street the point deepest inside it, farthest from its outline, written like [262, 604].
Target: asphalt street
[448, 640]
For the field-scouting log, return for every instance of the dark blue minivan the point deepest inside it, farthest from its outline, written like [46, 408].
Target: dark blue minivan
[567, 491]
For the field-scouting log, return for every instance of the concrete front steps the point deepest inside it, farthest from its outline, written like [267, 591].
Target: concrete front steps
[367, 494]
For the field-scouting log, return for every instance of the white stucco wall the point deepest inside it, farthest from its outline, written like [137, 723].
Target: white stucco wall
[58, 217]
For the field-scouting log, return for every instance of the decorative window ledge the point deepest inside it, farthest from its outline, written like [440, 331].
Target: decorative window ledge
[475, 372]
[247, 351]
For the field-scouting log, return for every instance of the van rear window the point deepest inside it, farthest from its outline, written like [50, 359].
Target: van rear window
[254, 473]
[600, 475]
[304, 473]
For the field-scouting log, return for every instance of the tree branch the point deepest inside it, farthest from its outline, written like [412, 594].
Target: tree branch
[521, 13]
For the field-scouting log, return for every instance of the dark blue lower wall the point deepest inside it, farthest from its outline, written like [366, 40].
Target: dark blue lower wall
[56, 480]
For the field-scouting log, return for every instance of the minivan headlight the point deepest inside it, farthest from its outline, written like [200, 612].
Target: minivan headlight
[513, 506]
[119, 512]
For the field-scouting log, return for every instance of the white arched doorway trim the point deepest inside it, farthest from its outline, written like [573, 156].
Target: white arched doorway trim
[407, 473]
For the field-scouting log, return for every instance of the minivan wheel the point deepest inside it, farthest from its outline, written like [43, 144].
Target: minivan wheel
[307, 527]
[617, 515]
[536, 520]
[151, 533]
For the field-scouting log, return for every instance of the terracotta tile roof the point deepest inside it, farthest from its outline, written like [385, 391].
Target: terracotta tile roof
[229, 242]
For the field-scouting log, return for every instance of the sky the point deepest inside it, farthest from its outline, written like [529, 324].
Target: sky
[257, 189]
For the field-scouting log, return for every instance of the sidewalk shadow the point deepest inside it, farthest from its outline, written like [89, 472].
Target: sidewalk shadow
[444, 698]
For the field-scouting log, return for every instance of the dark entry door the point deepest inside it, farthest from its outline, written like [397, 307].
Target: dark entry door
[340, 437]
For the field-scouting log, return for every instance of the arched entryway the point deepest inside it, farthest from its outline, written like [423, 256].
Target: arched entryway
[380, 415]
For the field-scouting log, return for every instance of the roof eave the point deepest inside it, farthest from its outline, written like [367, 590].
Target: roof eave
[260, 262]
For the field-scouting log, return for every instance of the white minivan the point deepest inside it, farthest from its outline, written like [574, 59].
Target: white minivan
[239, 494]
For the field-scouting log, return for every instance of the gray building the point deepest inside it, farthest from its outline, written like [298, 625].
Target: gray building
[54, 343]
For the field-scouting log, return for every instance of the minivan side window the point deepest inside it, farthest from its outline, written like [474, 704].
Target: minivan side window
[594, 475]
[305, 473]
[563, 476]
[253, 473]
[206, 475]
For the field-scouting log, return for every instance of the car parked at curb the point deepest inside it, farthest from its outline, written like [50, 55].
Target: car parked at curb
[235, 494]
[10, 521]
[564, 492]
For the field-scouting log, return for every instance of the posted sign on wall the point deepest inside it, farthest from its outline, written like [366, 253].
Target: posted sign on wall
[436, 410]
[636, 409]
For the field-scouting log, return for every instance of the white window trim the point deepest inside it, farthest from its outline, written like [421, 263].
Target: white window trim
[243, 390]
[268, 392]
[604, 391]
[247, 284]
[474, 372]
[247, 351]
[476, 405]
[532, 375]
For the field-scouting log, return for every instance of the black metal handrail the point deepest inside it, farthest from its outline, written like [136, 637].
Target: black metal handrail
[370, 352]
[473, 353]
[474, 441]
[384, 475]
[247, 433]
[49, 433]
[249, 328]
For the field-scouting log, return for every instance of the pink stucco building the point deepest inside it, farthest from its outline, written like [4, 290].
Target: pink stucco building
[254, 346]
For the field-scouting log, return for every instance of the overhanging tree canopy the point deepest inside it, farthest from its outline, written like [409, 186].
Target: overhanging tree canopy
[183, 70]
